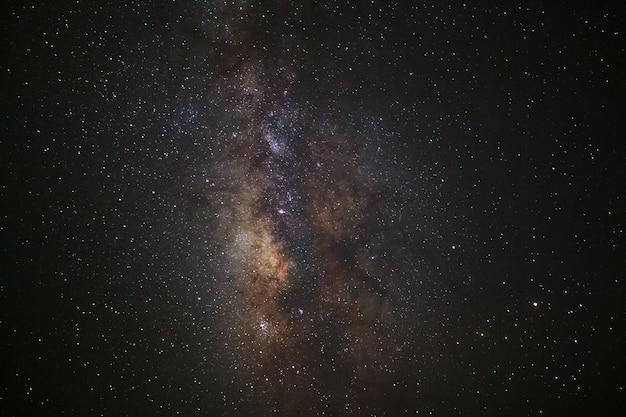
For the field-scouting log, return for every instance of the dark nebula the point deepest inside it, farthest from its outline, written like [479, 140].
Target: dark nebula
[258, 208]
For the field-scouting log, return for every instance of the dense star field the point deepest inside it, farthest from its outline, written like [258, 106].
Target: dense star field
[348, 208]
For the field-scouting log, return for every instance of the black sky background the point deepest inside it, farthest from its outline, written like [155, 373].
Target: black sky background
[500, 135]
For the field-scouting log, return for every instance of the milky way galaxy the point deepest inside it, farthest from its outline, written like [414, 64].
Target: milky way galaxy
[312, 296]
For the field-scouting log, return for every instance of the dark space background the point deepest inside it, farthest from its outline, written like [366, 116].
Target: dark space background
[357, 208]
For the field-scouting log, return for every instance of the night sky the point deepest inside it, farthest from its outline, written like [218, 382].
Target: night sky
[333, 208]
